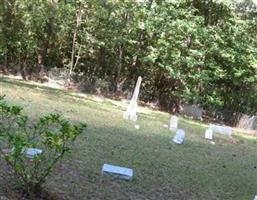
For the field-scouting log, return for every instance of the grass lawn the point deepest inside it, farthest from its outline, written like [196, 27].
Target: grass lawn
[196, 170]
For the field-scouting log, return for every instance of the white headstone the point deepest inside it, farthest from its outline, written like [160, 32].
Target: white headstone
[31, 152]
[208, 134]
[221, 129]
[131, 113]
[137, 127]
[117, 172]
[255, 198]
[179, 137]
[173, 123]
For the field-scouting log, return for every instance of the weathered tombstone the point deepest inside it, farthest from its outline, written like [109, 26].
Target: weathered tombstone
[131, 113]
[194, 111]
[247, 122]
[221, 129]
[179, 137]
[117, 172]
[173, 123]
[31, 152]
[208, 134]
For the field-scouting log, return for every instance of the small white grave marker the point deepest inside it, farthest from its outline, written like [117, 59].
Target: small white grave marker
[208, 134]
[255, 198]
[221, 129]
[179, 137]
[173, 123]
[31, 152]
[137, 127]
[118, 172]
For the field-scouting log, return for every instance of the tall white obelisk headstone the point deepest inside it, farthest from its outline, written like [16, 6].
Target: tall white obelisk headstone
[131, 112]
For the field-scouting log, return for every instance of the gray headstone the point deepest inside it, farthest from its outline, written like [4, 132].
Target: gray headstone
[221, 129]
[247, 122]
[117, 172]
[192, 111]
[31, 152]
[179, 137]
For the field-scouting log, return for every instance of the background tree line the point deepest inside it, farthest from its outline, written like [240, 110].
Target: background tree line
[187, 51]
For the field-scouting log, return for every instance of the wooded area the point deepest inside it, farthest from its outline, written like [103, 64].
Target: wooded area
[187, 51]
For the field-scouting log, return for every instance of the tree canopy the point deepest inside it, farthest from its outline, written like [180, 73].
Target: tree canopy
[187, 51]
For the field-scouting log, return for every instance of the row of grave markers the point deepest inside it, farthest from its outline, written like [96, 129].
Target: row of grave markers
[131, 114]
[180, 134]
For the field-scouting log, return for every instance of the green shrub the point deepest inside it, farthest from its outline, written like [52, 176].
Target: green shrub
[52, 134]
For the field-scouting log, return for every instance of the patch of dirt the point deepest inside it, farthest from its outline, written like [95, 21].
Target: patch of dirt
[8, 192]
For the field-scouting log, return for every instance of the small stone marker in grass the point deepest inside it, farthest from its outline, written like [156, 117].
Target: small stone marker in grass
[208, 134]
[255, 198]
[131, 113]
[137, 127]
[117, 172]
[173, 123]
[31, 152]
[179, 137]
[221, 129]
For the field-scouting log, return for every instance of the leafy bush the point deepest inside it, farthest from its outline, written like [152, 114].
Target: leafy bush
[52, 134]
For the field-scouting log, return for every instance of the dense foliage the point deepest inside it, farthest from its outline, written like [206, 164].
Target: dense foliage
[187, 51]
[51, 134]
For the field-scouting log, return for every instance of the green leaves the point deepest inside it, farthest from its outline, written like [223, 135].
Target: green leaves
[52, 134]
[186, 49]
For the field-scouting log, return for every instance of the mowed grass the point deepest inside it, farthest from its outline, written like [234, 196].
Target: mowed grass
[195, 170]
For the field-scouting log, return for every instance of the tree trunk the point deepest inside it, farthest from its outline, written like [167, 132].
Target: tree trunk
[207, 13]
[74, 41]
[118, 85]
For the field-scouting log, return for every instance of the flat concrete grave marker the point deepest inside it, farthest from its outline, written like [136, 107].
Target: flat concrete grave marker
[208, 134]
[221, 129]
[173, 123]
[117, 172]
[131, 113]
[179, 137]
[31, 152]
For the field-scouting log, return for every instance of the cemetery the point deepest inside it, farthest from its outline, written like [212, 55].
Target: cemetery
[128, 100]
[115, 158]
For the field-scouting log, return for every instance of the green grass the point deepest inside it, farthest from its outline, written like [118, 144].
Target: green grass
[195, 170]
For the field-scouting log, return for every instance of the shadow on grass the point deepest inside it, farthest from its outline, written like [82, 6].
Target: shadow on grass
[53, 93]
[195, 170]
